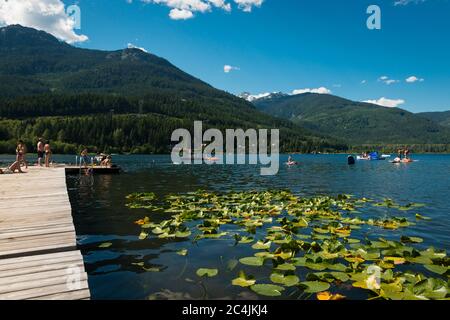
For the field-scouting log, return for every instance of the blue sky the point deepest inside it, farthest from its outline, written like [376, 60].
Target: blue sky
[285, 45]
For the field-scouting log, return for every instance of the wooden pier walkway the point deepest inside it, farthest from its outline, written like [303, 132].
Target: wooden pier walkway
[38, 253]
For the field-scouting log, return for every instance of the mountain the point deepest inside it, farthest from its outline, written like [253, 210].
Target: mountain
[355, 122]
[118, 101]
[442, 118]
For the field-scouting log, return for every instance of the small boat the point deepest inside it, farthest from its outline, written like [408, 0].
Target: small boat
[373, 156]
[292, 163]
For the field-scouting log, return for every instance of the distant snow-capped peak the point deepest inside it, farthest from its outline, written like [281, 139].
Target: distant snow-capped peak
[262, 96]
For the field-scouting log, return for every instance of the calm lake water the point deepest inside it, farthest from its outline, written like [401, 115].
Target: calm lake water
[101, 216]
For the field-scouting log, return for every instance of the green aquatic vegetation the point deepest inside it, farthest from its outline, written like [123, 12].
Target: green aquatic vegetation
[182, 252]
[262, 245]
[205, 272]
[105, 245]
[252, 261]
[286, 280]
[243, 280]
[268, 290]
[327, 238]
[314, 286]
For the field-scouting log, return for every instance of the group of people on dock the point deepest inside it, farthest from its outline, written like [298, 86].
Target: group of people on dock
[101, 159]
[44, 154]
[44, 158]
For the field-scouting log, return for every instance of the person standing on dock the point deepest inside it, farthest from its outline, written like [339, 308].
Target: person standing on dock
[84, 158]
[48, 154]
[40, 151]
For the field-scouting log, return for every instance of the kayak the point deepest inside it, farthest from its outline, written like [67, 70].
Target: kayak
[292, 163]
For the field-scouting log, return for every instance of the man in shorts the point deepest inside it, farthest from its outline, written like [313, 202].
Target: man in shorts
[40, 151]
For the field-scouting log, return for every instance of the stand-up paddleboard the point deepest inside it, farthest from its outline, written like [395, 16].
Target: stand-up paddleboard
[399, 161]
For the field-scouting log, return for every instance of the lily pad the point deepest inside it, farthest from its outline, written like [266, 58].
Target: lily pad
[268, 290]
[182, 252]
[243, 280]
[252, 261]
[436, 269]
[289, 281]
[315, 286]
[204, 272]
[105, 245]
[262, 245]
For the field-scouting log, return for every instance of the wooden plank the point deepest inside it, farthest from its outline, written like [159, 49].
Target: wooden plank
[63, 271]
[34, 293]
[34, 232]
[48, 266]
[24, 260]
[12, 290]
[71, 295]
[39, 249]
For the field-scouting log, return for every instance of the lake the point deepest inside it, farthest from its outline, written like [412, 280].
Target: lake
[101, 216]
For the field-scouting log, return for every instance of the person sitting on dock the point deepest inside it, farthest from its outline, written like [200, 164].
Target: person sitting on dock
[107, 162]
[12, 169]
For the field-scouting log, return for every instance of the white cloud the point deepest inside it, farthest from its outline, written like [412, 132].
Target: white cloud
[247, 5]
[413, 79]
[185, 9]
[385, 102]
[132, 46]
[387, 80]
[46, 15]
[321, 90]
[227, 68]
[180, 14]
[364, 82]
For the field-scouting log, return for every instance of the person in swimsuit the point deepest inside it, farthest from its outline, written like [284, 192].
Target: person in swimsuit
[107, 162]
[12, 168]
[84, 158]
[40, 151]
[21, 153]
[407, 152]
[48, 153]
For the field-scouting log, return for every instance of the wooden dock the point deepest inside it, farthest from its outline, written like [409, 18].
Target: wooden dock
[38, 251]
